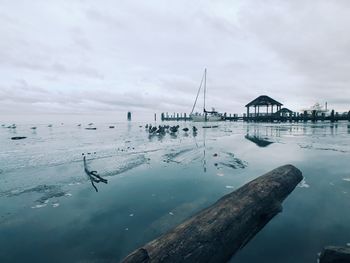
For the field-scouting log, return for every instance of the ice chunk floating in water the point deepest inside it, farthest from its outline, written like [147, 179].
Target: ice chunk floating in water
[303, 184]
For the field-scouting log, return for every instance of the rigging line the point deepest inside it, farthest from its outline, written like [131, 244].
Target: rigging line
[200, 86]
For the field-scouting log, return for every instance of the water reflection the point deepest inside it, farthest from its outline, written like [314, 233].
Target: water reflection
[258, 141]
[255, 136]
[204, 163]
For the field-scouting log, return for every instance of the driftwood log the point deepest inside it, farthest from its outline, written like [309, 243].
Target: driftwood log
[332, 254]
[217, 232]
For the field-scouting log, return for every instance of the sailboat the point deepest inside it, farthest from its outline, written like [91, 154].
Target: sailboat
[206, 115]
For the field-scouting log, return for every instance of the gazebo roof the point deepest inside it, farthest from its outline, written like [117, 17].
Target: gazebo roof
[263, 101]
[284, 110]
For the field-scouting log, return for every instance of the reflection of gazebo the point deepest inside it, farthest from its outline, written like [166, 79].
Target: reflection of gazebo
[261, 142]
[263, 102]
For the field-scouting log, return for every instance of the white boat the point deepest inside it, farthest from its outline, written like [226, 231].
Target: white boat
[205, 115]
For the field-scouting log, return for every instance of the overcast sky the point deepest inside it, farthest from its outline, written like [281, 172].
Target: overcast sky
[109, 57]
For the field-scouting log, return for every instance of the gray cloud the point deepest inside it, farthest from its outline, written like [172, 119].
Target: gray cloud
[107, 56]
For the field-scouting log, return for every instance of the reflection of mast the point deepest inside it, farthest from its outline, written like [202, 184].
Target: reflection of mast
[204, 159]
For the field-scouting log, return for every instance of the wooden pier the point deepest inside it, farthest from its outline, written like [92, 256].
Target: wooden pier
[266, 109]
[271, 117]
[175, 117]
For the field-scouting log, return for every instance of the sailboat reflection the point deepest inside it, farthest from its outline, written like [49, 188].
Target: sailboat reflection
[204, 159]
[195, 133]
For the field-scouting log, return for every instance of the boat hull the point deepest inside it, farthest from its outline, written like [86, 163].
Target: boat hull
[201, 118]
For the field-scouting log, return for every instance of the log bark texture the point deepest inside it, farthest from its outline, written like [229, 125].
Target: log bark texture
[332, 254]
[217, 232]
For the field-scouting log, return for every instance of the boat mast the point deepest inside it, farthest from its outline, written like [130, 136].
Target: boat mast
[205, 85]
[199, 89]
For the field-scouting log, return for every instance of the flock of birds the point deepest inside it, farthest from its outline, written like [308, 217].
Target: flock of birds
[152, 130]
[163, 129]
[14, 126]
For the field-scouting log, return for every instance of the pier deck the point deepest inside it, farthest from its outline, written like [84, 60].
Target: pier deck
[333, 117]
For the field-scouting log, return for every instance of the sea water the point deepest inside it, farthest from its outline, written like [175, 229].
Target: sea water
[50, 212]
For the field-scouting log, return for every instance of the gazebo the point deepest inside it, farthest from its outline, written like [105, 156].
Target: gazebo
[264, 102]
[284, 112]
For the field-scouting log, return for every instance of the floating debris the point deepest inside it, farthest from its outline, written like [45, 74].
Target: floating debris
[18, 138]
[33, 128]
[131, 215]
[111, 127]
[229, 186]
[210, 126]
[346, 179]
[55, 205]
[91, 128]
[185, 129]
[171, 213]
[93, 176]
[50, 125]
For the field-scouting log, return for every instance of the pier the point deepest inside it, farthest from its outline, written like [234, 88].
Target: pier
[294, 117]
[266, 109]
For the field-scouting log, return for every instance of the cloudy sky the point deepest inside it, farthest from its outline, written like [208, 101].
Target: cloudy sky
[109, 57]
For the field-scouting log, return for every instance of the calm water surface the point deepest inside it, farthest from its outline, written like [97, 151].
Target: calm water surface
[51, 213]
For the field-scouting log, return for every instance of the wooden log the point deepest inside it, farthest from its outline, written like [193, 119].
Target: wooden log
[217, 232]
[332, 254]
